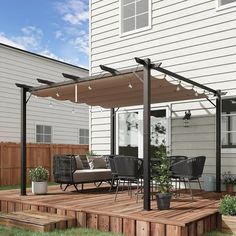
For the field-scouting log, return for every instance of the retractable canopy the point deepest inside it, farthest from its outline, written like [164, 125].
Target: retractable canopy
[120, 90]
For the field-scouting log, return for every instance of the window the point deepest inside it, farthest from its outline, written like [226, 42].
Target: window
[222, 3]
[43, 134]
[228, 126]
[135, 15]
[83, 136]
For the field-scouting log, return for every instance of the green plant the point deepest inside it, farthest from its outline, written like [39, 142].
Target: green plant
[228, 178]
[163, 171]
[39, 174]
[228, 205]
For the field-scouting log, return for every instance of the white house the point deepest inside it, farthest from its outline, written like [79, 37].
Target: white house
[195, 39]
[48, 120]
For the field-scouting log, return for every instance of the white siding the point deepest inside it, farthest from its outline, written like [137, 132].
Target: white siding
[17, 66]
[191, 38]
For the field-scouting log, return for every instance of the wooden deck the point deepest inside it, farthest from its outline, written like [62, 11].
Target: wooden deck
[96, 208]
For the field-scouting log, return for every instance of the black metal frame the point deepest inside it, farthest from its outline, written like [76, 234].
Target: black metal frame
[147, 66]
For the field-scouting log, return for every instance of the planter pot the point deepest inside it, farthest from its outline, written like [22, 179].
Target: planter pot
[163, 201]
[229, 188]
[228, 224]
[39, 187]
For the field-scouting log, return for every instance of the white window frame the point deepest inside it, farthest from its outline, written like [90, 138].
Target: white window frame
[43, 133]
[219, 6]
[135, 30]
[85, 137]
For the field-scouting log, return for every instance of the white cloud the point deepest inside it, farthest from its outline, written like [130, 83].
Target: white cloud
[74, 12]
[5, 40]
[81, 42]
[31, 38]
[49, 54]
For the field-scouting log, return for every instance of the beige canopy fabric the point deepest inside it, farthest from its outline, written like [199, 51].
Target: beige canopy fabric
[110, 91]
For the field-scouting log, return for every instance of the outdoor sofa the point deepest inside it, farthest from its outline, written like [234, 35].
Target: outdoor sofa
[80, 169]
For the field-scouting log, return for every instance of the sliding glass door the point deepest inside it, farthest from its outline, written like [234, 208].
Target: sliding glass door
[130, 131]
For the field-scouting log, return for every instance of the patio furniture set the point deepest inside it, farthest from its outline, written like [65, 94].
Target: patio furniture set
[80, 169]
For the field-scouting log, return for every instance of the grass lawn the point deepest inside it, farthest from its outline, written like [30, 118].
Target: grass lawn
[4, 231]
[18, 186]
[217, 233]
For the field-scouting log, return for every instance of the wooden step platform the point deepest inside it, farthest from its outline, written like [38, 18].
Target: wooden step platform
[36, 220]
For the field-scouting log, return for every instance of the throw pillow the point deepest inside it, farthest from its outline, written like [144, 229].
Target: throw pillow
[98, 163]
[79, 163]
[84, 160]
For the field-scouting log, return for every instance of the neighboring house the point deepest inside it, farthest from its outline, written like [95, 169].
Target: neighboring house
[48, 120]
[196, 39]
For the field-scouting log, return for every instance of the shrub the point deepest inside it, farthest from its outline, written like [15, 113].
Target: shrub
[39, 174]
[228, 205]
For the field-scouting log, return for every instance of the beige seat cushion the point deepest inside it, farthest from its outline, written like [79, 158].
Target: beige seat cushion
[92, 175]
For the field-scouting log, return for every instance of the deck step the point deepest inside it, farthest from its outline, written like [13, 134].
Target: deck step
[36, 220]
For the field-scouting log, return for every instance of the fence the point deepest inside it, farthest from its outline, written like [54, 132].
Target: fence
[37, 154]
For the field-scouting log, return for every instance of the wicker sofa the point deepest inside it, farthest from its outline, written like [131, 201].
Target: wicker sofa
[80, 169]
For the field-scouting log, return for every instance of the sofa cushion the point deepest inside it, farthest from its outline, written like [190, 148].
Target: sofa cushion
[98, 163]
[94, 175]
[84, 160]
[79, 163]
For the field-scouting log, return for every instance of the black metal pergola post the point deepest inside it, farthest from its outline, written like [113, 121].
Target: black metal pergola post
[113, 131]
[146, 132]
[24, 89]
[218, 140]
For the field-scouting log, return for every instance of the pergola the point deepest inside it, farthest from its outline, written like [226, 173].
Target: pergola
[115, 89]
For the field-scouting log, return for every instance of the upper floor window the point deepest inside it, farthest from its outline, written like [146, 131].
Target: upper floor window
[228, 129]
[43, 134]
[226, 3]
[83, 136]
[135, 15]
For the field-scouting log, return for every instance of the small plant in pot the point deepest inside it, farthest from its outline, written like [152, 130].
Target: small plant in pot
[229, 180]
[227, 208]
[39, 177]
[163, 178]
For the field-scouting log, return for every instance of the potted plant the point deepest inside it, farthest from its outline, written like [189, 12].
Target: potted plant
[227, 208]
[229, 180]
[39, 177]
[163, 178]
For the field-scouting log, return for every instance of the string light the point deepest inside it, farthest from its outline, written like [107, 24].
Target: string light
[57, 94]
[130, 85]
[89, 87]
[178, 87]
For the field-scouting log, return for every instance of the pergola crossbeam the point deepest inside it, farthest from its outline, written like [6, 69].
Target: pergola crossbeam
[47, 82]
[109, 69]
[179, 77]
[73, 77]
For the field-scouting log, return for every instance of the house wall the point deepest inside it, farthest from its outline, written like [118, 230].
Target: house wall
[192, 38]
[17, 66]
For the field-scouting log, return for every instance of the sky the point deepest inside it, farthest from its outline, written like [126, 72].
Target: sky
[55, 28]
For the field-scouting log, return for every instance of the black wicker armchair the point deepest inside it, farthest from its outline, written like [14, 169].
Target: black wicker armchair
[130, 169]
[189, 169]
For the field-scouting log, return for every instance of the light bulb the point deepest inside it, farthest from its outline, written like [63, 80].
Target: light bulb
[130, 85]
[57, 94]
[89, 87]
